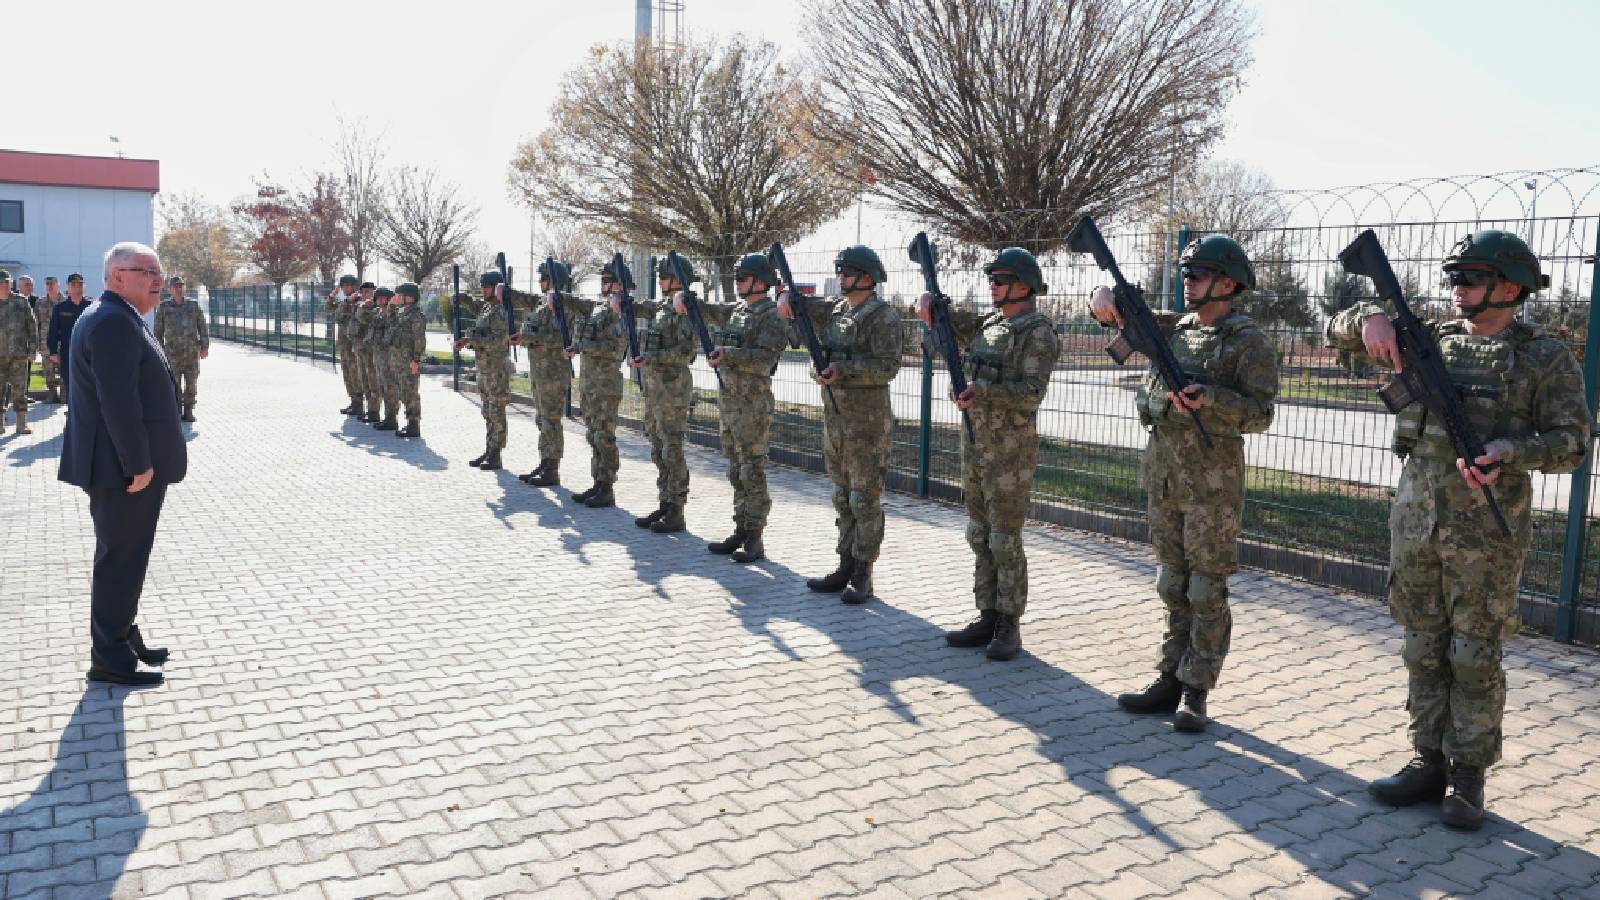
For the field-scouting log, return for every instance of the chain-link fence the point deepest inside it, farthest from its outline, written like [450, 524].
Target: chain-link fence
[1319, 481]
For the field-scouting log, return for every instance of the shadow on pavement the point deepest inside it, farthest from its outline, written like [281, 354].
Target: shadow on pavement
[412, 451]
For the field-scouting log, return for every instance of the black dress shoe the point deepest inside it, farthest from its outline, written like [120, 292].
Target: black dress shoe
[150, 656]
[131, 679]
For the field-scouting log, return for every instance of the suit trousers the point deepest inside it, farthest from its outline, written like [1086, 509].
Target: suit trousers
[124, 532]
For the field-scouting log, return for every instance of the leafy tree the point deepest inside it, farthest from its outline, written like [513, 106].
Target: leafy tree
[270, 234]
[426, 224]
[321, 221]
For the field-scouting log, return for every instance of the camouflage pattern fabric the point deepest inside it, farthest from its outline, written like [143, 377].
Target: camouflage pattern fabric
[408, 343]
[14, 381]
[383, 359]
[549, 370]
[1452, 578]
[363, 327]
[343, 312]
[490, 343]
[41, 311]
[1196, 496]
[599, 338]
[667, 343]
[19, 341]
[1008, 363]
[181, 331]
[752, 338]
[864, 344]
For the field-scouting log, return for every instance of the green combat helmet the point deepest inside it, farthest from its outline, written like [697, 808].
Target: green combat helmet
[1505, 253]
[1023, 265]
[409, 289]
[490, 279]
[382, 293]
[758, 265]
[1222, 253]
[609, 269]
[664, 269]
[562, 277]
[862, 259]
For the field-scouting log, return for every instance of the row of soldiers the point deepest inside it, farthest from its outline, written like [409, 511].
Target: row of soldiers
[1454, 580]
[381, 335]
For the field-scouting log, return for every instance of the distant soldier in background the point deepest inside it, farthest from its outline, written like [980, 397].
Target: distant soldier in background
[383, 369]
[408, 347]
[363, 326]
[41, 311]
[58, 339]
[19, 342]
[600, 339]
[342, 306]
[490, 341]
[181, 330]
[25, 288]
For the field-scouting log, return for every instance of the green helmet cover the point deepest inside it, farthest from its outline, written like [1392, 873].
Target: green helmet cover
[861, 258]
[1505, 253]
[664, 269]
[1023, 264]
[490, 279]
[409, 289]
[758, 265]
[609, 269]
[562, 279]
[1224, 254]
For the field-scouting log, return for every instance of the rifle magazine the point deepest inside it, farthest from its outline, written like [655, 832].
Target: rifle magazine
[1120, 349]
[1398, 393]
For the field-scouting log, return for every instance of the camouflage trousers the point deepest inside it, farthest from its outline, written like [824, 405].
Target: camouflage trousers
[371, 378]
[856, 439]
[14, 380]
[599, 395]
[350, 366]
[494, 389]
[389, 387]
[186, 371]
[551, 374]
[669, 392]
[1195, 505]
[52, 378]
[747, 405]
[1453, 588]
[996, 482]
[404, 386]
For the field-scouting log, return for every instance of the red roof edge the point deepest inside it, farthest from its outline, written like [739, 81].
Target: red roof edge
[68, 170]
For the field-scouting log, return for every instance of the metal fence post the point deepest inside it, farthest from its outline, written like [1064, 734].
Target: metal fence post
[925, 418]
[1578, 500]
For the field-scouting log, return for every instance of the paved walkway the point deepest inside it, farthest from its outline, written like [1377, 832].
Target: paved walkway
[397, 675]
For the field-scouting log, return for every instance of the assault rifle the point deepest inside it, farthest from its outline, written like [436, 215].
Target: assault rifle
[691, 303]
[1140, 330]
[505, 302]
[1423, 376]
[619, 267]
[455, 322]
[559, 308]
[802, 321]
[944, 334]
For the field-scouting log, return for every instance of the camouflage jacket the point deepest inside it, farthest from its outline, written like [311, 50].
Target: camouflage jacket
[599, 332]
[1008, 362]
[19, 330]
[41, 312]
[489, 332]
[752, 337]
[667, 340]
[407, 334]
[539, 330]
[342, 311]
[863, 343]
[1235, 362]
[181, 328]
[361, 321]
[1520, 388]
[383, 325]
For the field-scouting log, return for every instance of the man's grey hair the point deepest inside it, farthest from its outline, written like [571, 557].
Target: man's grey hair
[27, 278]
[124, 252]
[51, 279]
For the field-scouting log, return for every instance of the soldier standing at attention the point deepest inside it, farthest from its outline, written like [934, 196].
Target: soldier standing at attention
[750, 341]
[58, 340]
[549, 367]
[1453, 577]
[863, 338]
[1010, 354]
[490, 341]
[382, 365]
[19, 341]
[599, 338]
[408, 346]
[1196, 496]
[667, 347]
[364, 329]
[342, 306]
[42, 321]
[41, 311]
[181, 330]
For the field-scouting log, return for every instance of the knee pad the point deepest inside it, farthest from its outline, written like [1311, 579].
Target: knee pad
[1172, 585]
[841, 500]
[978, 537]
[863, 504]
[1207, 593]
[1006, 546]
[1474, 662]
[1422, 651]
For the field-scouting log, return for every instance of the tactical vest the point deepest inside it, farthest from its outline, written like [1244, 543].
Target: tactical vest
[845, 326]
[540, 328]
[661, 333]
[1198, 352]
[598, 332]
[990, 357]
[1480, 367]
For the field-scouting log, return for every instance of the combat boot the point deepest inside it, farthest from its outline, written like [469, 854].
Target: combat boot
[412, 429]
[478, 460]
[1160, 697]
[728, 544]
[601, 498]
[1463, 807]
[1191, 717]
[860, 589]
[1007, 642]
[528, 477]
[491, 462]
[671, 520]
[835, 580]
[547, 475]
[647, 520]
[752, 550]
[357, 408]
[388, 424]
[1422, 780]
[371, 418]
[22, 422]
[188, 413]
[583, 495]
[978, 632]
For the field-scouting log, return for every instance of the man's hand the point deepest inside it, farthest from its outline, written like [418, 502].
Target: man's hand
[924, 309]
[784, 309]
[1483, 472]
[1193, 398]
[715, 358]
[678, 305]
[142, 480]
[616, 306]
[416, 368]
[569, 352]
[516, 340]
[829, 375]
[204, 353]
[1103, 306]
[500, 291]
[637, 362]
[1377, 332]
[460, 344]
[965, 399]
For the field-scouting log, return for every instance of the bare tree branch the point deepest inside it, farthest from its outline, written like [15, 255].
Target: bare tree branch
[361, 160]
[426, 223]
[320, 218]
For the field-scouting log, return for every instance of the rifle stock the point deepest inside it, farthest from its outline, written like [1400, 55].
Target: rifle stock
[505, 303]
[944, 334]
[802, 319]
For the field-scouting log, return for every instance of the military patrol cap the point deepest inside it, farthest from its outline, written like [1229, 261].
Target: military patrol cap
[176, 279]
[863, 259]
[561, 279]
[664, 269]
[1505, 253]
[382, 292]
[1222, 254]
[409, 289]
[348, 279]
[490, 279]
[758, 265]
[74, 277]
[1021, 263]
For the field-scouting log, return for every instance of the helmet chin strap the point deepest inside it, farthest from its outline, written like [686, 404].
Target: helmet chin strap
[1471, 313]
[1204, 298]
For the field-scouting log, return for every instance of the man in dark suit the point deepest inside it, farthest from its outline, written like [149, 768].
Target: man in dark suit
[123, 446]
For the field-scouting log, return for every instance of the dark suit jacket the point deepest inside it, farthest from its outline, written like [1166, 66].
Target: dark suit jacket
[58, 338]
[124, 413]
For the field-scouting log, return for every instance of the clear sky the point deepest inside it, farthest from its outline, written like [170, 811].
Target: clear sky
[1340, 92]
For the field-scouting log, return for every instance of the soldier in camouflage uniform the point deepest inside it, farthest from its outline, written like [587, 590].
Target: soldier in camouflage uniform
[364, 335]
[667, 345]
[41, 316]
[342, 306]
[379, 341]
[600, 338]
[181, 330]
[490, 340]
[862, 335]
[41, 311]
[1196, 496]
[408, 346]
[549, 367]
[19, 341]
[1010, 354]
[1453, 578]
[750, 338]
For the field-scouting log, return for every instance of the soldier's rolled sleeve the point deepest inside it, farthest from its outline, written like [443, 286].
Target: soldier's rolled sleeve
[766, 344]
[1343, 331]
[1561, 421]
